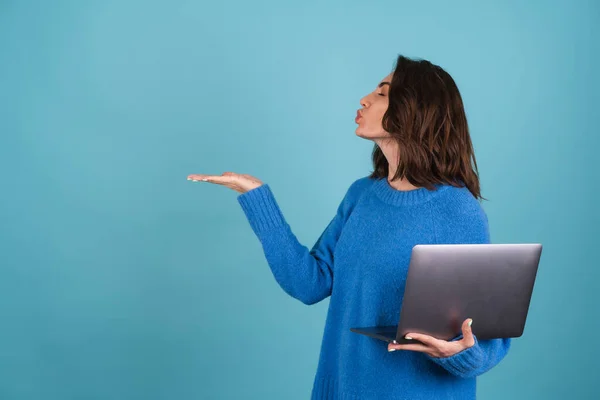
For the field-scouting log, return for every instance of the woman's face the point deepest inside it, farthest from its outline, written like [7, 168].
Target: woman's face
[374, 105]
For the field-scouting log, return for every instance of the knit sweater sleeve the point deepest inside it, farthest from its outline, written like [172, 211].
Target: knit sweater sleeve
[470, 225]
[304, 274]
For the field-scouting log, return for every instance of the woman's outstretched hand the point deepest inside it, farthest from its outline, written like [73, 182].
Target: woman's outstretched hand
[437, 347]
[239, 182]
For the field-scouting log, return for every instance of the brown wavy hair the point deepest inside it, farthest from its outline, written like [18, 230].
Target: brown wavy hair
[426, 117]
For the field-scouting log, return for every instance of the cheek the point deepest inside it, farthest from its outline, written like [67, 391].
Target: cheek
[376, 117]
[379, 109]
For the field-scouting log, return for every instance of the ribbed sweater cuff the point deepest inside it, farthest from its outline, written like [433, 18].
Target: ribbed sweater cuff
[261, 209]
[464, 363]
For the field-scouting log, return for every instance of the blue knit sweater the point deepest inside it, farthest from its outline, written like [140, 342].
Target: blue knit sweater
[361, 260]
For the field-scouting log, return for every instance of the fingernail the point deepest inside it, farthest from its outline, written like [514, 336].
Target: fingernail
[470, 322]
[189, 179]
[390, 350]
[393, 341]
[407, 337]
[204, 179]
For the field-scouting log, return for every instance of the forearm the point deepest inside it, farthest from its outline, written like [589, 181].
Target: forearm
[295, 269]
[299, 271]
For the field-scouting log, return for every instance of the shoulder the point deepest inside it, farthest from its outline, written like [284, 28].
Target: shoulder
[357, 188]
[460, 202]
[460, 217]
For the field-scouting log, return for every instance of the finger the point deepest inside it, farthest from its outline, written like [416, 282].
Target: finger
[411, 346]
[428, 340]
[468, 338]
[211, 178]
[198, 177]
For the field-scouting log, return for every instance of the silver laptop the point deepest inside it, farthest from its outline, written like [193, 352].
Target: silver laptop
[448, 283]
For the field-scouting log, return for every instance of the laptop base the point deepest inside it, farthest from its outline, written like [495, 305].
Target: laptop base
[385, 333]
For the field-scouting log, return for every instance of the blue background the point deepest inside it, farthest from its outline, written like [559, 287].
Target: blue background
[120, 279]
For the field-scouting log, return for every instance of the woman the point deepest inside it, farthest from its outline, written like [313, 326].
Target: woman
[423, 189]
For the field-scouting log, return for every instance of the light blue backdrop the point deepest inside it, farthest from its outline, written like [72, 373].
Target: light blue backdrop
[120, 279]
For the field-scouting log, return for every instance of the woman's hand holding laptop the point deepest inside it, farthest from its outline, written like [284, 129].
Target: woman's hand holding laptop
[436, 347]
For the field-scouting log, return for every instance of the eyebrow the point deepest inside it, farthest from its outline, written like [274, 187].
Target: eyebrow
[383, 83]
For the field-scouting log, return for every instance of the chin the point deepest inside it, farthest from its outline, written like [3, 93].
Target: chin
[362, 135]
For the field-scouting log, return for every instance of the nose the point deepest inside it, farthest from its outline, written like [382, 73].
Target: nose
[363, 101]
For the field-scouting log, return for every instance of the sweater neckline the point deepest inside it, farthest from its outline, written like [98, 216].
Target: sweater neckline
[395, 197]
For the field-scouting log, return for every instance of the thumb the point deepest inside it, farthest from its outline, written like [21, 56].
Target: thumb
[468, 338]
